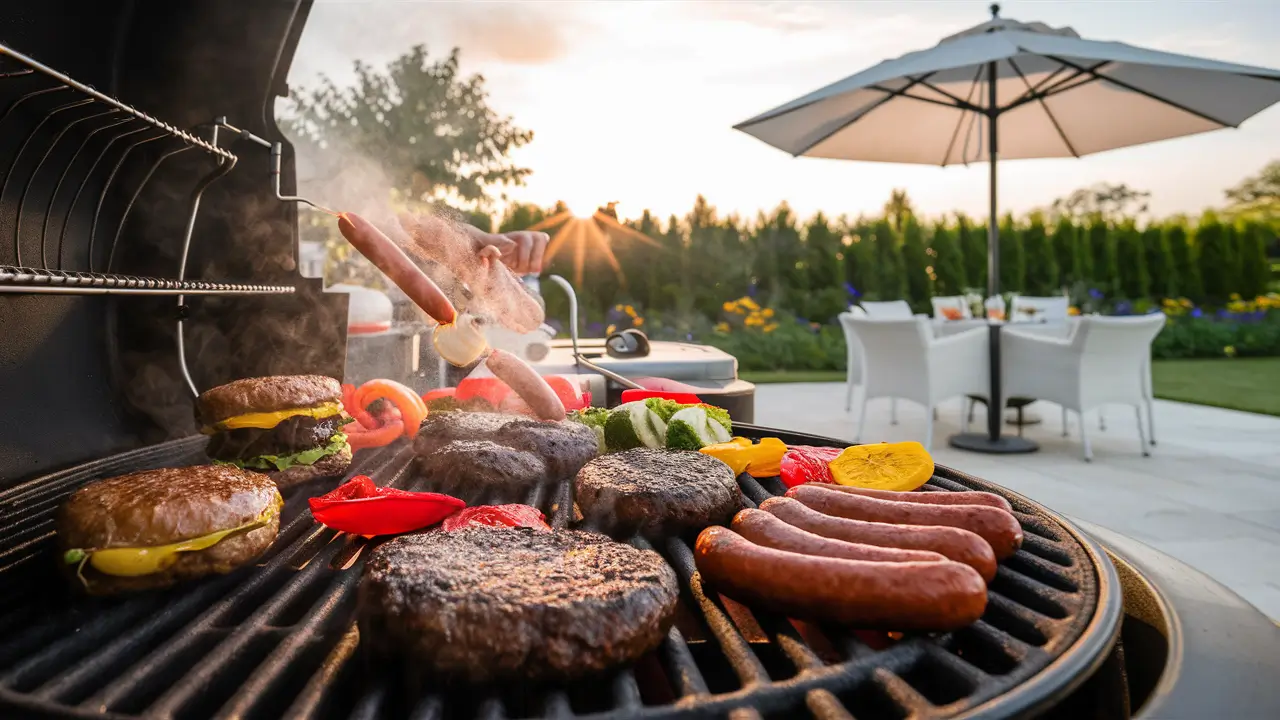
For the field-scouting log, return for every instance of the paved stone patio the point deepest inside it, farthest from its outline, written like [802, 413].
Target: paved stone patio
[1209, 494]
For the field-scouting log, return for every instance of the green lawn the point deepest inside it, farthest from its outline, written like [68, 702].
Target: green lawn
[1250, 384]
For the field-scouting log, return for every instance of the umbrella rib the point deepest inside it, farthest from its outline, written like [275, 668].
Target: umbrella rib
[1061, 86]
[1144, 93]
[892, 94]
[1070, 148]
[956, 133]
[965, 104]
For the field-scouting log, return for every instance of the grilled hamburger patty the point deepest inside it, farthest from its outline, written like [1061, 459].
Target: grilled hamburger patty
[484, 604]
[161, 507]
[290, 436]
[471, 468]
[656, 492]
[564, 446]
[266, 394]
[443, 428]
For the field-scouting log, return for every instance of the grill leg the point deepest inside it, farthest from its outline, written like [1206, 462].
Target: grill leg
[1084, 438]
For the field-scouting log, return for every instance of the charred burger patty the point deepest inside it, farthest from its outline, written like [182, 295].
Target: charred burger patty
[485, 604]
[155, 528]
[287, 426]
[656, 492]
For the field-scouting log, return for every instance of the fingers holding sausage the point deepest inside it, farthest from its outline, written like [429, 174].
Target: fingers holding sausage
[897, 596]
[999, 528]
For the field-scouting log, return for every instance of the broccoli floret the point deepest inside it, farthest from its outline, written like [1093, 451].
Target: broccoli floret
[682, 436]
[592, 416]
[663, 407]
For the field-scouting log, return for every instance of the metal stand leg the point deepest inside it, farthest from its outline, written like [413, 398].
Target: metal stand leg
[1084, 438]
[1142, 436]
[1064, 421]
[1151, 420]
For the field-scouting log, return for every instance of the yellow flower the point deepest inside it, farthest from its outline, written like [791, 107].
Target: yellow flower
[1185, 302]
[630, 311]
[617, 308]
[767, 312]
[1229, 351]
[770, 327]
[1235, 296]
[722, 327]
[749, 304]
[729, 307]
[637, 322]
[1073, 310]
[609, 330]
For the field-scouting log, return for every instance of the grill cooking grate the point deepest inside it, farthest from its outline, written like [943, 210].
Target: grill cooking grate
[277, 639]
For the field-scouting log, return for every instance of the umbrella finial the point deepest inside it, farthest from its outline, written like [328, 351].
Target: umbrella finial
[995, 11]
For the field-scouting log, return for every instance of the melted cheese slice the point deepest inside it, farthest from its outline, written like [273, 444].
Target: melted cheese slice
[132, 562]
[268, 420]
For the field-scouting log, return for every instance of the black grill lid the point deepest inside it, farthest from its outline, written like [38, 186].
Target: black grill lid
[278, 638]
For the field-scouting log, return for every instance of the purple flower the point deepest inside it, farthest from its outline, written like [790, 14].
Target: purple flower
[1095, 293]
[751, 290]
[1223, 314]
[595, 329]
[1196, 312]
[688, 336]
[853, 291]
[802, 321]
[1124, 307]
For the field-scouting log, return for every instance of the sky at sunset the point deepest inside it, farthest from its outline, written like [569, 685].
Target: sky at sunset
[635, 101]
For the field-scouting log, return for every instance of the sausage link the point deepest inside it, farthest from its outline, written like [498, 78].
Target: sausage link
[526, 383]
[387, 256]
[954, 543]
[970, 497]
[766, 530]
[999, 528]
[891, 596]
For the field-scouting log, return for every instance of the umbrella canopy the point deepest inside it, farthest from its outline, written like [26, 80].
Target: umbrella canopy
[1051, 93]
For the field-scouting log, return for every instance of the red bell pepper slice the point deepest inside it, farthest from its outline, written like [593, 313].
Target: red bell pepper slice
[490, 389]
[497, 516]
[805, 463]
[680, 397]
[361, 508]
[377, 437]
[430, 395]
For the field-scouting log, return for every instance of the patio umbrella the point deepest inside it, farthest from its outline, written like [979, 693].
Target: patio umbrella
[1007, 89]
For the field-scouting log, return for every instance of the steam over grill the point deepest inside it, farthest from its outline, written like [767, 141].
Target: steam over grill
[278, 639]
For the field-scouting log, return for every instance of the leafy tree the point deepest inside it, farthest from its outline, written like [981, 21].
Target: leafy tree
[859, 256]
[1064, 251]
[1042, 260]
[915, 264]
[1013, 266]
[973, 248]
[1131, 262]
[519, 216]
[1185, 262]
[779, 252]
[1214, 258]
[1258, 197]
[825, 268]
[1112, 202]
[887, 277]
[898, 209]
[1102, 255]
[1255, 268]
[1159, 259]
[433, 132]
[948, 263]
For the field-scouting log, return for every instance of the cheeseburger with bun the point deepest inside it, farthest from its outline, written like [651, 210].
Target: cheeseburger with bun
[154, 528]
[288, 426]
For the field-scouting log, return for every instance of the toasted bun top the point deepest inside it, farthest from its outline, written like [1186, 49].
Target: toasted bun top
[158, 507]
[266, 394]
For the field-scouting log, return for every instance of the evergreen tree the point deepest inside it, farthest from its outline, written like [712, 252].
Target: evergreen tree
[1186, 266]
[1041, 258]
[1255, 268]
[825, 267]
[887, 279]
[1064, 251]
[915, 263]
[948, 263]
[1102, 253]
[1131, 262]
[859, 258]
[1235, 268]
[973, 249]
[1013, 265]
[780, 255]
[1160, 270]
[1213, 256]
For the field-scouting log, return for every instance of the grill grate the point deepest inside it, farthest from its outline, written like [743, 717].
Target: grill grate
[278, 639]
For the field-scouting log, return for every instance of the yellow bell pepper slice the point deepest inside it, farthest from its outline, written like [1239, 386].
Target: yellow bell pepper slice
[762, 460]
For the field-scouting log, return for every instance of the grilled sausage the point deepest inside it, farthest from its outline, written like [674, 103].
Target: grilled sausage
[391, 260]
[998, 527]
[526, 383]
[956, 544]
[766, 530]
[892, 596]
[972, 497]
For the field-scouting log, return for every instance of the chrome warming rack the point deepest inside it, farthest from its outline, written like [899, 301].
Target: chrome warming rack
[109, 131]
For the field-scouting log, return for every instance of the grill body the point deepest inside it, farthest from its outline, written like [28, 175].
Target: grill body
[278, 638]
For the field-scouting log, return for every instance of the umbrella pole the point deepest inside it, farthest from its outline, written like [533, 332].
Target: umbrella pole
[991, 441]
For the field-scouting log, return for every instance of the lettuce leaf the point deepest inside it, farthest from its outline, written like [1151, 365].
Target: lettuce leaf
[337, 443]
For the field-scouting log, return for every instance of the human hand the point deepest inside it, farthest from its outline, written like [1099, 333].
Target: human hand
[522, 250]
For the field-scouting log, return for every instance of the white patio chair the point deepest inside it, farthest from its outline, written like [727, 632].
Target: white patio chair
[1031, 309]
[887, 310]
[1104, 362]
[853, 355]
[902, 359]
[947, 302]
